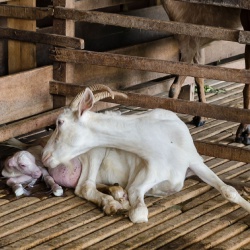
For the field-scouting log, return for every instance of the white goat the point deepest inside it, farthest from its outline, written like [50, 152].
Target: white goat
[159, 137]
[191, 48]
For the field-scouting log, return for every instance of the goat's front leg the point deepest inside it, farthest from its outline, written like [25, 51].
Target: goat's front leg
[50, 182]
[16, 184]
[86, 187]
[144, 181]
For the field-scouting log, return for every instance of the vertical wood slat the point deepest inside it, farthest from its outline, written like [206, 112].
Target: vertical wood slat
[63, 71]
[22, 55]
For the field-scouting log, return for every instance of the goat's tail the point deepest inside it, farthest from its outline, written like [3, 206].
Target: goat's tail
[228, 192]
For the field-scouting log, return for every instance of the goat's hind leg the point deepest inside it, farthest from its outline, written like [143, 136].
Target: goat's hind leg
[199, 58]
[228, 192]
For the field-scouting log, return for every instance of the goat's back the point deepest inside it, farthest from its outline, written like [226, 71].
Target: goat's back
[202, 14]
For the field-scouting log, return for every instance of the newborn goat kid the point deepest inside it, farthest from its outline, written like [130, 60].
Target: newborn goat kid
[25, 167]
[159, 137]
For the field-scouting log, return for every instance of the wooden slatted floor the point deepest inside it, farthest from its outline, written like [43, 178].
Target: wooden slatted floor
[195, 218]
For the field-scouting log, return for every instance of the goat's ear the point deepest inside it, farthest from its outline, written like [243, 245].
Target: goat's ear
[87, 101]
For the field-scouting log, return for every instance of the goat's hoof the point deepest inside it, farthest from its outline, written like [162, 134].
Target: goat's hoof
[138, 214]
[19, 191]
[198, 121]
[58, 191]
[125, 204]
[246, 140]
[112, 207]
[171, 93]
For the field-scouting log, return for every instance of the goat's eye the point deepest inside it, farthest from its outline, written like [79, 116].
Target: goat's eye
[22, 166]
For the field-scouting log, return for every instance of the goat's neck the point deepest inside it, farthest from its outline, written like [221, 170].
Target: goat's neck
[116, 131]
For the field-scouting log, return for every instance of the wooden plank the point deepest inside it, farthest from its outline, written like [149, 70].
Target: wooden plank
[48, 208]
[219, 237]
[149, 24]
[237, 242]
[27, 125]
[149, 64]
[25, 94]
[21, 55]
[35, 37]
[56, 220]
[151, 102]
[29, 13]
[204, 231]
[223, 151]
[165, 238]
[242, 4]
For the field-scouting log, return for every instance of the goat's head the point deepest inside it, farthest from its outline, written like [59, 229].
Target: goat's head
[72, 135]
[21, 163]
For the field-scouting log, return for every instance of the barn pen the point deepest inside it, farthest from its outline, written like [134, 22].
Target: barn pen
[51, 50]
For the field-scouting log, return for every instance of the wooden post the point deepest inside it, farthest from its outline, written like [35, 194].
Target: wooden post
[63, 71]
[21, 55]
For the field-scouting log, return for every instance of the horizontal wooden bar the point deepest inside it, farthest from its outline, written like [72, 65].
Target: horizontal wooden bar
[35, 37]
[242, 4]
[148, 24]
[148, 64]
[152, 102]
[30, 124]
[223, 151]
[30, 13]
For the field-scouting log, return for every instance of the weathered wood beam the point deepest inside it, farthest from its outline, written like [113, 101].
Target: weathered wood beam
[149, 24]
[35, 37]
[151, 102]
[30, 13]
[242, 4]
[223, 151]
[148, 64]
[27, 125]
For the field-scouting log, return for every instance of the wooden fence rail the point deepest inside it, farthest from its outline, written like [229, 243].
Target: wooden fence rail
[30, 13]
[149, 24]
[152, 102]
[147, 64]
[35, 37]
